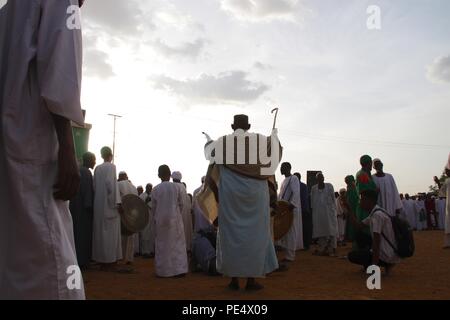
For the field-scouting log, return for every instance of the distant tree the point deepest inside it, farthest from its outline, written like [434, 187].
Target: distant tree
[434, 188]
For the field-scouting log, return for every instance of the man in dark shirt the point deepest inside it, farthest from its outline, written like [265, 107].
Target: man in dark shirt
[306, 213]
[81, 208]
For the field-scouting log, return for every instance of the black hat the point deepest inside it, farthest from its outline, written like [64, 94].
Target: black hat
[241, 122]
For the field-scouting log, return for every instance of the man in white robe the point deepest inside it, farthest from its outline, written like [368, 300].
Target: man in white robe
[239, 191]
[186, 210]
[388, 196]
[147, 236]
[341, 213]
[125, 188]
[170, 243]
[106, 238]
[445, 191]
[40, 80]
[323, 203]
[421, 215]
[290, 192]
[410, 212]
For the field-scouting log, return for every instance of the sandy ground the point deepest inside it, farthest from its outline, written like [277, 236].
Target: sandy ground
[424, 276]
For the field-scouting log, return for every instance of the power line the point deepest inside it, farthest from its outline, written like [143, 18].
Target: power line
[314, 136]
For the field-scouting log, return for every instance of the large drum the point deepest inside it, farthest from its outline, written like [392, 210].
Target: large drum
[135, 214]
[282, 218]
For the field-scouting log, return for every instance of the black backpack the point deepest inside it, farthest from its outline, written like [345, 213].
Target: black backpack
[403, 236]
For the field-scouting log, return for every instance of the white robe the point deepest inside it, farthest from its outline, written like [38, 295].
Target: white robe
[420, 211]
[290, 191]
[170, 243]
[410, 212]
[106, 238]
[40, 74]
[125, 188]
[323, 203]
[147, 236]
[186, 213]
[388, 197]
[445, 191]
[440, 208]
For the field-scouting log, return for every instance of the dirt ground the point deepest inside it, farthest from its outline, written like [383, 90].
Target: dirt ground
[424, 276]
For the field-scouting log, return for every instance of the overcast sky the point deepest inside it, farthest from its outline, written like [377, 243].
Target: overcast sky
[176, 68]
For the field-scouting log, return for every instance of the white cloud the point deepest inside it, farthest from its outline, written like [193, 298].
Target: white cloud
[115, 17]
[225, 88]
[439, 70]
[186, 50]
[261, 66]
[262, 10]
[170, 16]
[96, 64]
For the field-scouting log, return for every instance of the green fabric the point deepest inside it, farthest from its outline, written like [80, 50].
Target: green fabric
[364, 181]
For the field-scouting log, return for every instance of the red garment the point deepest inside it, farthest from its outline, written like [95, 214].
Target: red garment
[430, 205]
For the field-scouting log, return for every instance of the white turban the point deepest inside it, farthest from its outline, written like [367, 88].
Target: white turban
[176, 175]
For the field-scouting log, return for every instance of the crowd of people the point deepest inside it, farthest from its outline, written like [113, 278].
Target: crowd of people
[185, 235]
[224, 228]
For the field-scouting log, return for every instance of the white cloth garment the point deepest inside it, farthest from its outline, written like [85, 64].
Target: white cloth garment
[380, 222]
[106, 238]
[388, 197]
[186, 210]
[147, 236]
[410, 212]
[137, 243]
[445, 191]
[323, 203]
[421, 220]
[40, 75]
[290, 192]
[440, 208]
[170, 243]
[125, 188]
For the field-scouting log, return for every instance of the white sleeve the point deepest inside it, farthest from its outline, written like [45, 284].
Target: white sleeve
[59, 60]
[333, 198]
[377, 223]
[295, 188]
[398, 201]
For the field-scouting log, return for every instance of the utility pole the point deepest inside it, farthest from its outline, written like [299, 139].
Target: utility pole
[115, 116]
